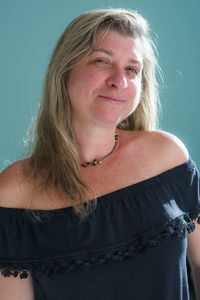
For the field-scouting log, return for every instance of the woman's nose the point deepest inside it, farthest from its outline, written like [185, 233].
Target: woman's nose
[117, 79]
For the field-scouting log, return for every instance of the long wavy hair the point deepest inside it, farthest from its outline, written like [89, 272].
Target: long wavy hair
[52, 154]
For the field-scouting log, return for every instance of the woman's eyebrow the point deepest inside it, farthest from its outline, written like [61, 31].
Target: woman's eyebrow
[103, 50]
[132, 60]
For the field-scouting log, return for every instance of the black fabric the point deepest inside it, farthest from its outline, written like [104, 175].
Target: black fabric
[133, 246]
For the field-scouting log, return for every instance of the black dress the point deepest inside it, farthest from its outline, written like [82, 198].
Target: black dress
[132, 247]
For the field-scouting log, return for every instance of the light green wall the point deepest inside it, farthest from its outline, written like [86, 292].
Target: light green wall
[30, 29]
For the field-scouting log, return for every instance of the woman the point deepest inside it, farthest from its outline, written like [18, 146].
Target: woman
[101, 205]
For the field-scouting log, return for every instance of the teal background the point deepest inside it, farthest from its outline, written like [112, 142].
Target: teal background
[30, 29]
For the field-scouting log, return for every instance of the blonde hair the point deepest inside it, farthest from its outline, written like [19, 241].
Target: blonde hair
[53, 154]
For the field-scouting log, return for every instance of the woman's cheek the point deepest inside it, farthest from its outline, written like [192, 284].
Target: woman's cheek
[135, 87]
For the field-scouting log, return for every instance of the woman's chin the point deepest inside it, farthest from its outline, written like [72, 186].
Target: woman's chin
[109, 119]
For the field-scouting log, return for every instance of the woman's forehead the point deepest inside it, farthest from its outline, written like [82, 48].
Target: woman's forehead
[113, 42]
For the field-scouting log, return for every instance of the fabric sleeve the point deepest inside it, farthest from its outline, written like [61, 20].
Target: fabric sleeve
[192, 195]
[17, 249]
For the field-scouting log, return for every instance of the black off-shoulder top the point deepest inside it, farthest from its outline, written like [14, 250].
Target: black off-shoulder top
[133, 246]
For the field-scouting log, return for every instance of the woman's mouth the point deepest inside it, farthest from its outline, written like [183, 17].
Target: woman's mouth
[112, 99]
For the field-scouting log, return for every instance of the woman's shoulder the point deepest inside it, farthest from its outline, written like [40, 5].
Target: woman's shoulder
[18, 190]
[165, 142]
[13, 185]
[160, 148]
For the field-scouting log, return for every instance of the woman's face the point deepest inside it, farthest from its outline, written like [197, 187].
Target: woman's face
[105, 87]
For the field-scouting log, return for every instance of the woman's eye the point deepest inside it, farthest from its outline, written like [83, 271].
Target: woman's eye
[102, 61]
[133, 70]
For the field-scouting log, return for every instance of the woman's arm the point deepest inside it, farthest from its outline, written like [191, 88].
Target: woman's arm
[12, 288]
[193, 253]
[11, 192]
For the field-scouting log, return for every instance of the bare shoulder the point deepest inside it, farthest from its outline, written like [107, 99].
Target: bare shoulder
[19, 191]
[10, 176]
[13, 186]
[167, 150]
[168, 145]
[160, 149]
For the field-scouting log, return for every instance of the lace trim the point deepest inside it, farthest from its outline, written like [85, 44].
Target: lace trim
[113, 254]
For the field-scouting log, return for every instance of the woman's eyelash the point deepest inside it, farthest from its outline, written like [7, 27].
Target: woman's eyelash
[133, 70]
[101, 60]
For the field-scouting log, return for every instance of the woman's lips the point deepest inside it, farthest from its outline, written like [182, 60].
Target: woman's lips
[112, 100]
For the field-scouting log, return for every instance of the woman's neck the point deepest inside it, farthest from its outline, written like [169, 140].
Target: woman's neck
[94, 144]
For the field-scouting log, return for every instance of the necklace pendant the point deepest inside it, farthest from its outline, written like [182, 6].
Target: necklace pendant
[86, 164]
[95, 162]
